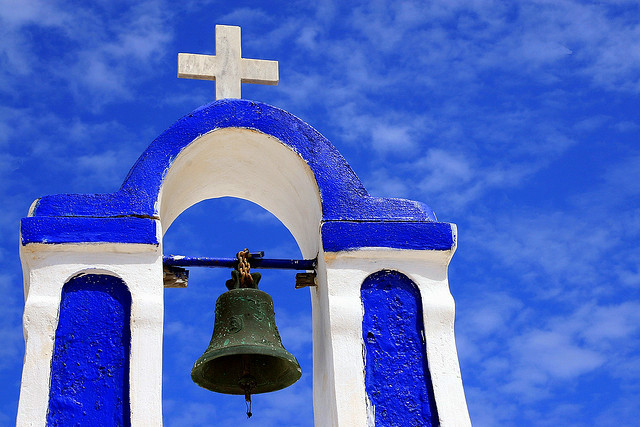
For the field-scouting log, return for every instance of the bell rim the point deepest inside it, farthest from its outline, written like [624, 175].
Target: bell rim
[295, 374]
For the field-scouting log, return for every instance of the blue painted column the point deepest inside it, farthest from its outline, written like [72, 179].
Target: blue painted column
[90, 366]
[397, 378]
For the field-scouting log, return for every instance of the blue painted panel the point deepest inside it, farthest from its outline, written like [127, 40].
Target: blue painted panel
[90, 365]
[94, 230]
[343, 235]
[397, 377]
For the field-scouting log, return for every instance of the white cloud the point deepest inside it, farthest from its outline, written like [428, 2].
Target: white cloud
[254, 214]
[627, 126]
[610, 323]
[14, 58]
[571, 250]
[22, 12]
[97, 56]
[381, 184]
[10, 319]
[444, 170]
[101, 170]
[553, 354]
[530, 359]
[307, 37]
[568, 320]
[192, 414]
[243, 16]
[295, 330]
[391, 138]
[451, 102]
[622, 410]
[115, 58]
[495, 314]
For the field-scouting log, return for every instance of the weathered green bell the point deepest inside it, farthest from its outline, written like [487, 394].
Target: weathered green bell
[245, 355]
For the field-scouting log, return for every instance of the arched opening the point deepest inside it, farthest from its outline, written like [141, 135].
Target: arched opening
[245, 189]
[220, 227]
[249, 165]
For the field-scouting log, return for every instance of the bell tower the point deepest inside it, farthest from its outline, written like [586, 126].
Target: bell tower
[384, 350]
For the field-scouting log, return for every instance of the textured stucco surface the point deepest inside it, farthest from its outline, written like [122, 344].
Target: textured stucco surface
[90, 365]
[47, 268]
[423, 235]
[397, 377]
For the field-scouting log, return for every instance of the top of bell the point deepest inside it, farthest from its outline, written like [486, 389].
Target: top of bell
[239, 280]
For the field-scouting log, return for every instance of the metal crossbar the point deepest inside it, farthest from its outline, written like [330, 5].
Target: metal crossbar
[255, 260]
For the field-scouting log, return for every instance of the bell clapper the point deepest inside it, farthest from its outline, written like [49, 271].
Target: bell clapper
[247, 399]
[247, 383]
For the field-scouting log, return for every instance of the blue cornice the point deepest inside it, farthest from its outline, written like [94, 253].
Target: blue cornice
[99, 217]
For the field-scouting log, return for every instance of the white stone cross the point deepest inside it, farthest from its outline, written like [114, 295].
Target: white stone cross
[228, 68]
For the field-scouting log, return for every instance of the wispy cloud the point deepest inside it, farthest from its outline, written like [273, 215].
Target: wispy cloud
[243, 16]
[516, 120]
[521, 128]
[575, 262]
[100, 57]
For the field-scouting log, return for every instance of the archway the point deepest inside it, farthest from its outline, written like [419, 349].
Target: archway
[265, 155]
[189, 314]
[249, 165]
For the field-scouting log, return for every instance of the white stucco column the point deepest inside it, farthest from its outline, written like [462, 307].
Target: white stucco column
[46, 269]
[340, 398]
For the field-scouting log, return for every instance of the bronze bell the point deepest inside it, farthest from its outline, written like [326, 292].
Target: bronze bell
[245, 355]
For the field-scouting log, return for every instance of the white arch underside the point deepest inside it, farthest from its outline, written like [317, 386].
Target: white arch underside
[250, 165]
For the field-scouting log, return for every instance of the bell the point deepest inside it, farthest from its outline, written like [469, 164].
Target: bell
[245, 355]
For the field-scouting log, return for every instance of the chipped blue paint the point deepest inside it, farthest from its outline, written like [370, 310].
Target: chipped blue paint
[397, 377]
[343, 196]
[90, 365]
[343, 235]
[78, 230]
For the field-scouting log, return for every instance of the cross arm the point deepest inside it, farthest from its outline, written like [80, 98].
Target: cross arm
[200, 67]
[259, 71]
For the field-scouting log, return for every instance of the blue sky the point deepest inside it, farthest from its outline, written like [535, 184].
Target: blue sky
[518, 121]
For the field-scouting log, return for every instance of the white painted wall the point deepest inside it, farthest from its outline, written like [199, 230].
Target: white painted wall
[345, 272]
[47, 268]
[249, 165]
